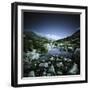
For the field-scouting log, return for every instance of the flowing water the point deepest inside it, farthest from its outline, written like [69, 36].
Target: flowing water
[59, 52]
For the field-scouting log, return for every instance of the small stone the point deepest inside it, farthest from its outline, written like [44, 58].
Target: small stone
[60, 64]
[45, 65]
[51, 69]
[59, 73]
[31, 74]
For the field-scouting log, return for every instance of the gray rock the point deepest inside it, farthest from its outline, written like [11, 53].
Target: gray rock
[60, 64]
[59, 73]
[45, 65]
[52, 69]
[74, 69]
[31, 74]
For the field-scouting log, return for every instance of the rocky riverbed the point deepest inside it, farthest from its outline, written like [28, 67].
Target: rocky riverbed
[54, 63]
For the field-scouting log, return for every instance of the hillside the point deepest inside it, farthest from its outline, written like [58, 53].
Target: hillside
[74, 39]
[34, 41]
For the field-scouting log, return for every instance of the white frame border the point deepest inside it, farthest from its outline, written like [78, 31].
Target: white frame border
[82, 49]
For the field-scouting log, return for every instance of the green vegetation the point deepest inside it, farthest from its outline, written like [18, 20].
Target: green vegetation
[32, 41]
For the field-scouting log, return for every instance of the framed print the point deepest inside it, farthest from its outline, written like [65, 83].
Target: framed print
[49, 44]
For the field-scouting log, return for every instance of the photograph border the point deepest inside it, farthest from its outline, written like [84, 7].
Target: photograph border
[14, 43]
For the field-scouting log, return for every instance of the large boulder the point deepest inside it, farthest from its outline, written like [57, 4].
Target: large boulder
[74, 69]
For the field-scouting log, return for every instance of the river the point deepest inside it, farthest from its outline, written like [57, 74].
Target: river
[59, 52]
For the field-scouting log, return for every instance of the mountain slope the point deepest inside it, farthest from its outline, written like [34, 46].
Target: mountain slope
[74, 39]
[33, 41]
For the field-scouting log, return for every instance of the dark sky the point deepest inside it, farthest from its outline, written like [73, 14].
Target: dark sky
[51, 25]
